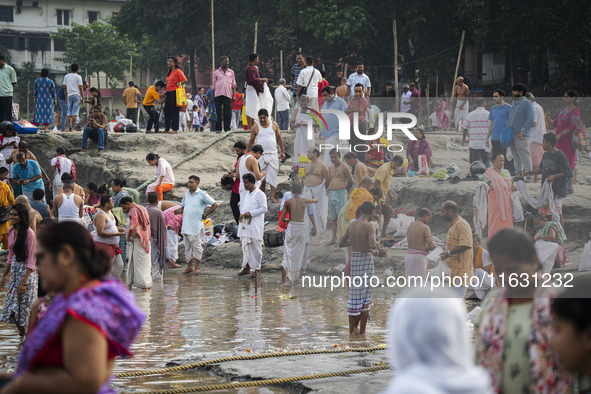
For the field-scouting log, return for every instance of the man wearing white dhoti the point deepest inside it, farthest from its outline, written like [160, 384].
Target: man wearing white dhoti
[297, 235]
[460, 95]
[254, 90]
[251, 227]
[268, 136]
[139, 270]
[299, 122]
[317, 179]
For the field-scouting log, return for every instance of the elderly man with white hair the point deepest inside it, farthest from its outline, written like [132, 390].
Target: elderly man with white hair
[283, 99]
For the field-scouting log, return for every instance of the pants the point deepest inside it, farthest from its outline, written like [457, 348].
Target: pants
[480, 155]
[123, 247]
[193, 247]
[155, 258]
[57, 185]
[283, 119]
[64, 108]
[165, 187]
[73, 103]
[131, 114]
[95, 135]
[497, 147]
[234, 204]
[6, 108]
[520, 150]
[357, 141]
[152, 118]
[223, 107]
[235, 119]
[171, 112]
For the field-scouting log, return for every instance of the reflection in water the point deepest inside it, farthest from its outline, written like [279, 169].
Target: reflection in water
[191, 315]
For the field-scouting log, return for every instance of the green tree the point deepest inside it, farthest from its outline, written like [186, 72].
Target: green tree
[24, 88]
[97, 47]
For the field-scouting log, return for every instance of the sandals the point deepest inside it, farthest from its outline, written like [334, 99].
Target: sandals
[455, 179]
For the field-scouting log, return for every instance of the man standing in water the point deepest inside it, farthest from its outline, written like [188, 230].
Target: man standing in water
[361, 236]
[268, 136]
[419, 245]
[251, 227]
[297, 238]
[341, 182]
[317, 180]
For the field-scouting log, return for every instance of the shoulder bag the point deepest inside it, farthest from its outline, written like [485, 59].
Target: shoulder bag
[304, 91]
[507, 132]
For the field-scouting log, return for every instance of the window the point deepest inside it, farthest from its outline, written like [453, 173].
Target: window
[63, 17]
[58, 45]
[8, 42]
[6, 14]
[39, 44]
[92, 16]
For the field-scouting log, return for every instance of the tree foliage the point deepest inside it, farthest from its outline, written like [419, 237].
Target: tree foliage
[24, 87]
[97, 47]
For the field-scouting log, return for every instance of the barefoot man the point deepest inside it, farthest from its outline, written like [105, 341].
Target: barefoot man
[361, 236]
[248, 164]
[460, 95]
[268, 136]
[317, 180]
[341, 182]
[382, 179]
[297, 236]
[174, 223]
[420, 244]
[251, 227]
[360, 169]
[192, 206]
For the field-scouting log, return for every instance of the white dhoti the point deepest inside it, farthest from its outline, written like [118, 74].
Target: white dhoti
[269, 162]
[66, 219]
[253, 102]
[301, 142]
[57, 185]
[295, 253]
[485, 283]
[334, 141]
[320, 209]
[252, 252]
[460, 114]
[116, 266]
[139, 269]
[155, 257]
[193, 247]
[172, 246]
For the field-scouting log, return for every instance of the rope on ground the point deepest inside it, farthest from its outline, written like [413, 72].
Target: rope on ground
[270, 382]
[249, 357]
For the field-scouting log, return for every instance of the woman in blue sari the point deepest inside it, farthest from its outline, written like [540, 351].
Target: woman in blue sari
[44, 98]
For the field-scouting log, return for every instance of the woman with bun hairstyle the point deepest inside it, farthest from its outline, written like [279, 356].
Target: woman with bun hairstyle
[117, 185]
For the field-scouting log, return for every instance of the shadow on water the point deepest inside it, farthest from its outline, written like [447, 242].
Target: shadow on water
[191, 316]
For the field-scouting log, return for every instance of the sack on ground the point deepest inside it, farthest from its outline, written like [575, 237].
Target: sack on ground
[546, 252]
[453, 170]
[585, 262]
[442, 174]
[402, 222]
[517, 208]
[273, 238]
[440, 270]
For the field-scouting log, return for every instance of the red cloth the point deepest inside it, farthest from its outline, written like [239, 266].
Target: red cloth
[252, 77]
[282, 225]
[173, 79]
[112, 250]
[237, 104]
[139, 221]
[321, 85]
[58, 165]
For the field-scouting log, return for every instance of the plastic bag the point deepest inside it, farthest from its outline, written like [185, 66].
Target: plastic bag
[517, 208]
[208, 227]
[423, 165]
[402, 222]
[546, 252]
[440, 270]
[434, 254]
[453, 170]
[442, 173]
[509, 155]
[585, 262]
[181, 97]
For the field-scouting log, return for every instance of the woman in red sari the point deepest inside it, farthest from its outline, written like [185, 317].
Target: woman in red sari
[500, 207]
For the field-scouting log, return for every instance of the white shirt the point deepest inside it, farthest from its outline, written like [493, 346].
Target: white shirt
[405, 97]
[189, 108]
[477, 124]
[283, 98]
[72, 82]
[119, 117]
[536, 133]
[255, 202]
[66, 166]
[434, 120]
[164, 169]
[304, 78]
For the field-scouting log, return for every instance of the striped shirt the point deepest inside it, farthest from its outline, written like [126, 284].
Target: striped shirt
[7, 78]
[477, 124]
[295, 72]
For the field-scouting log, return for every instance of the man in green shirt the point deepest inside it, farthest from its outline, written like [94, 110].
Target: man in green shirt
[7, 82]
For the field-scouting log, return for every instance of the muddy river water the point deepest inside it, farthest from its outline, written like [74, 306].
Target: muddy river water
[190, 315]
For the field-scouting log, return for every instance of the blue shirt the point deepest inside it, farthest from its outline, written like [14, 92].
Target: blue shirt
[60, 94]
[524, 117]
[355, 78]
[209, 95]
[332, 121]
[193, 206]
[498, 115]
[30, 171]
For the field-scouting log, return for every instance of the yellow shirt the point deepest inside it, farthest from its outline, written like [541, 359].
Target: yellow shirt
[151, 96]
[384, 174]
[6, 199]
[460, 234]
[130, 95]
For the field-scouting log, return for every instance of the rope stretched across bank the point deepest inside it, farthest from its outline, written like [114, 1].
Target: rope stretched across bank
[250, 357]
[269, 382]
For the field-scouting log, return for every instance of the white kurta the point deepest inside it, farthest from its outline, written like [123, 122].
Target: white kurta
[251, 235]
[301, 143]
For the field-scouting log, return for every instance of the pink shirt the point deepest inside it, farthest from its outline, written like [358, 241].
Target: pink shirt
[223, 82]
[164, 169]
[30, 242]
[362, 104]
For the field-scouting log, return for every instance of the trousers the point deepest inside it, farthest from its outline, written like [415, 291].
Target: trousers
[223, 107]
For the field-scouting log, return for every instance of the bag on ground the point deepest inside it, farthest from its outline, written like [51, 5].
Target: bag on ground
[402, 222]
[453, 170]
[423, 165]
[585, 262]
[440, 270]
[273, 238]
[517, 208]
[442, 174]
[546, 252]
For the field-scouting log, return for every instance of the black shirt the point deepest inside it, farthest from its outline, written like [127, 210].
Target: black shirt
[553, 164]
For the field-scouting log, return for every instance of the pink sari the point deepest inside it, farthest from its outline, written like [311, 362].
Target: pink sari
[442, 118]
[500, 208]
[568, 121]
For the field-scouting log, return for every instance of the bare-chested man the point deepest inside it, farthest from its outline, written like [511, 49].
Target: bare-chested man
[297, 235]
[420, 244]
[316, 183]
[360, 169]
[361, 236]
[460, 96]
[34, 217]
[23, 147]
[343, 90]
[341, 182]
[248, 164]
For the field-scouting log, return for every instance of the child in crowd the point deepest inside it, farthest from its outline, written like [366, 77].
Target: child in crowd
[196, 123]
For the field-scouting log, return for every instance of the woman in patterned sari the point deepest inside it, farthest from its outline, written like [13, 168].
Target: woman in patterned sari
[442, 115]
[551, 232]
[90, 322]
[117, 185]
